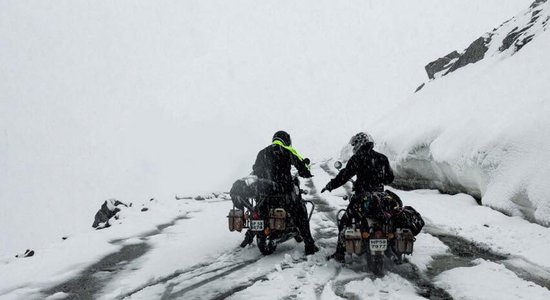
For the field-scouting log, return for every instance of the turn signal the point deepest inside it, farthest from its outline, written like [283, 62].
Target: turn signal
[391, 235]
[266, 231]
[365, 235]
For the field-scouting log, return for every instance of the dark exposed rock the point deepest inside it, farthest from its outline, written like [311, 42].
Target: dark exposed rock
[440, 64]
[420, 87]
[108, 210]
[28, 253]
[144, 209]
[537, 3]
[474, 53]
[520, 38]
[523, 32]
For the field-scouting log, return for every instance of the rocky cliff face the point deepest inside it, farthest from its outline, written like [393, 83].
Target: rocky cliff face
[507, 39]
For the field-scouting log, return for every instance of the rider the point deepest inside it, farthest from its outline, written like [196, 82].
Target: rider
[274, 163]
[373, 172]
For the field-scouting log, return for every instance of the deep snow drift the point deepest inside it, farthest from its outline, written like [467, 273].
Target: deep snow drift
[483, 128]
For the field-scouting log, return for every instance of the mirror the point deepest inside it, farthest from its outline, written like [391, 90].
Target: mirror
[338, 165]
[307, 161]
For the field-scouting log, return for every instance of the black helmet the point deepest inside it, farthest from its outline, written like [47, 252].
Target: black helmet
[282, 136]
[360, 139]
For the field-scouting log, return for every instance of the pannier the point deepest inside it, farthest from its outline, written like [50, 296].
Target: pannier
[277, 219]
[236, 219]
[353, 241]
[404, 241]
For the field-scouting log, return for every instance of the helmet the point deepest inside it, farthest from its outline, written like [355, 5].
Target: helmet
[282, 136]
[359, 140]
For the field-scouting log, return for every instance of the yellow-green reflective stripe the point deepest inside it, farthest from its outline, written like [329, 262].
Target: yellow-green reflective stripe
[292, 150]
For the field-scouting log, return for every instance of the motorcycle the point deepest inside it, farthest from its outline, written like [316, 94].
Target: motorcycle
[266, 218]
[381, 233]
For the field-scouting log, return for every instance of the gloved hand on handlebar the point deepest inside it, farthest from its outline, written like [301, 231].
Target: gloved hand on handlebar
[328, 187]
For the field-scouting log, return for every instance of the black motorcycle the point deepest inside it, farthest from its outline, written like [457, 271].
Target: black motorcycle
[380, 227]
[265, 215]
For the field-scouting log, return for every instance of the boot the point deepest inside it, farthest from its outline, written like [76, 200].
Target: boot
[338, 256]
[248, 239]
[311, 249]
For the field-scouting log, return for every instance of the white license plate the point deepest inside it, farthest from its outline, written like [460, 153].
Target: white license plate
[378, 244]
[257, 225]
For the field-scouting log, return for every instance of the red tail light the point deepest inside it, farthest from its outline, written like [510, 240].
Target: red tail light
[255, 216]
[378, 234]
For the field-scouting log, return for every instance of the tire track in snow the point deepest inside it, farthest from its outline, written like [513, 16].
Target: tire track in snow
[180, 287]
[211, 270]
[94, 278]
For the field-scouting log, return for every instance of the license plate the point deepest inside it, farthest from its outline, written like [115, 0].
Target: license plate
[378, 244]
[257, 225]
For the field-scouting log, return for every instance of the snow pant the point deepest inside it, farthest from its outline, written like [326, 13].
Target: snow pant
[300, 217]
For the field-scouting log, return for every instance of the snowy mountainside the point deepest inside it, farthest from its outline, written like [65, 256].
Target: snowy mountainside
[507, 39]
[483, 128]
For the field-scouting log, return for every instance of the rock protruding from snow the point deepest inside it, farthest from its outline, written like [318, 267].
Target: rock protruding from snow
[108, 210]
[510, 37]
[27, 253]
[441, 64]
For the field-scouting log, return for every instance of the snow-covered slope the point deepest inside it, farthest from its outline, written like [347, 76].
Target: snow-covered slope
[184, 250]
[141, 99]
[484, 127]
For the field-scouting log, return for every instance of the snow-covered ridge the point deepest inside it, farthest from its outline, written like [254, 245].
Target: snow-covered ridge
[507, 39]
[483, 130]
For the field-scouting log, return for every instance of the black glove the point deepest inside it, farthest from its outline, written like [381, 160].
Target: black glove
[327, 187]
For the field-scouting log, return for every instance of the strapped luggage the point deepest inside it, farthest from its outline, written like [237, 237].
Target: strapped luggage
[409, 218]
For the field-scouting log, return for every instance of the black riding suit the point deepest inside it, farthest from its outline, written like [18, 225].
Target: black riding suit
[274, 163]
[373, 171]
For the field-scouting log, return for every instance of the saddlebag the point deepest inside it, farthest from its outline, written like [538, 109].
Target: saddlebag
[236, 219]
[353, 241]
[409, 218]
[277, 219]
[404, 241]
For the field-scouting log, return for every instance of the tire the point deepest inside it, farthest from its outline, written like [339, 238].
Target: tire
[298, 238]
[376, 264]
[266, 247]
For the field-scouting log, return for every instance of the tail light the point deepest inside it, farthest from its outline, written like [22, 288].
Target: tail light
[378, 234]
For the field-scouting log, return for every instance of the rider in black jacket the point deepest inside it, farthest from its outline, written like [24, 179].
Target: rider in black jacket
[373, 171]
[274, 163]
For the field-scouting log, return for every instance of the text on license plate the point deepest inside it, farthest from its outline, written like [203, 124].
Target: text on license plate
[378, 244]
[257, 225]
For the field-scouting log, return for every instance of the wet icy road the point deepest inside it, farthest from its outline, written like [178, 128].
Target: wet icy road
[459, 255]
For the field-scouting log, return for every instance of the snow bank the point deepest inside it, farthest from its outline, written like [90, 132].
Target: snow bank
[488, 280]
[484, 128]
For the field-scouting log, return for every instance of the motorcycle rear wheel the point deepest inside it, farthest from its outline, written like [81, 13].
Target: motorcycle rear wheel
[375, 264]
[266, 246]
